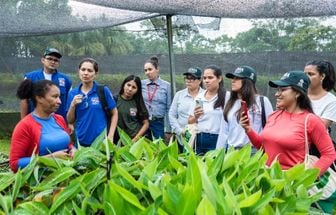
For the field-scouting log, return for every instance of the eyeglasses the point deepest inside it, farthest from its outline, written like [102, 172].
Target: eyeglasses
[280, 90]
[190, 78]
[52, 59]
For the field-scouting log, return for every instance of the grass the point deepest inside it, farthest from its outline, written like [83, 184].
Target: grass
[4, 146]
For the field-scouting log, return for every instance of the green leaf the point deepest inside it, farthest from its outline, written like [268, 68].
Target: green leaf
[250, 200]
[77, 209]
[205, 207]
[6, 179]
[34, 208]
[6, 203]
[66, 195]
[154, 190]
[137, 149]
[127, 195]
[17, 184]
[55, 178]
[150, 168]
[230, 159]
[263, 201]
[129, 178]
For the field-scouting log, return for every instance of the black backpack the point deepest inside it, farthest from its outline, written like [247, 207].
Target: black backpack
[102, 100]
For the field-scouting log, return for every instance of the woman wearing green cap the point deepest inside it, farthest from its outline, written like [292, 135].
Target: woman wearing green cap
[283, 137]
[259, 107]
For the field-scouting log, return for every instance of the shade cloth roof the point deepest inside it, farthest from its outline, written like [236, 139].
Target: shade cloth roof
[43, 17]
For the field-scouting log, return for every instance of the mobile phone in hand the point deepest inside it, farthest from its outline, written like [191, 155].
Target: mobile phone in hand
[244, 108]
[199, 103]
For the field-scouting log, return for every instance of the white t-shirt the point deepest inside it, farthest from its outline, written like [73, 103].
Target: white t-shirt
[325, 107]
[231, 132]
[47, 76]
[210, 121]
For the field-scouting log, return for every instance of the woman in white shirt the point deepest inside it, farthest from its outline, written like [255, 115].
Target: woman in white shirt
[322, 77]
[207, 110]
[242, 89]
[183, 99]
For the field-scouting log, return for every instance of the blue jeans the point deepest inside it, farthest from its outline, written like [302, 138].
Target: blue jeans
[156, 128]
[205, 142]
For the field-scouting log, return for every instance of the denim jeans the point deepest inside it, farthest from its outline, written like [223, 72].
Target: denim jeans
[156, 128]
[205, 142]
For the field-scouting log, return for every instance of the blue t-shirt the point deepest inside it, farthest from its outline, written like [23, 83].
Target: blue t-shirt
[53, 138]
[61, 80]
[90, 116]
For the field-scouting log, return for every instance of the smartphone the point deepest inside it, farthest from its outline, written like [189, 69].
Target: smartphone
[244, 108]
[199, 103]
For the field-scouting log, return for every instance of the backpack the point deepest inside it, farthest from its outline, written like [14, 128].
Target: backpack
[103, 102]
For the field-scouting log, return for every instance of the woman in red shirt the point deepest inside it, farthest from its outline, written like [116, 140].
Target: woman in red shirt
[283, 137]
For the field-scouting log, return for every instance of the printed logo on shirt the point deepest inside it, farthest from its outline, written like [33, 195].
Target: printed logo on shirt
[61, 82]
[133, 111]
[95, 100]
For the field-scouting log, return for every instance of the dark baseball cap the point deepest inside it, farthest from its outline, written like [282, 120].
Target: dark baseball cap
[297, 79]
[52, 52]
[194, 71]
[243, 72]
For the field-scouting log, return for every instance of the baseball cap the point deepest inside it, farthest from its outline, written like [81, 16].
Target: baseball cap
[243, 72]
[194, 71]
[297, 79]
[53, 52]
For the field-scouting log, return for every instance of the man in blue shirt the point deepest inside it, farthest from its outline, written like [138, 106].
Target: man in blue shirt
[50, 61]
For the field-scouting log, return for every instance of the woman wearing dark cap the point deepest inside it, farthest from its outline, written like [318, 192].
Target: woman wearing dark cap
[283, 137]
[183, 99]
[42, 132]
[243, 88]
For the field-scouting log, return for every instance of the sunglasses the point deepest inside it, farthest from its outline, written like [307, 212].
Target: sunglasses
[190, 78]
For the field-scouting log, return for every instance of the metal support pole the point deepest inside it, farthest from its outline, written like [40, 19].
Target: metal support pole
[171, 54]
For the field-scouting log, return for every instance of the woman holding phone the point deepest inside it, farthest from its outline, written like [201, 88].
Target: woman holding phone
[207, 110]
[243, 97]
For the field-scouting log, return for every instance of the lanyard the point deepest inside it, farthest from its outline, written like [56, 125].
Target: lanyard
[151, 96]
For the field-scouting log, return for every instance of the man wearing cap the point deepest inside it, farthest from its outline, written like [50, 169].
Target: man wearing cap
[183, 99]
[284, 135]
[50, 61]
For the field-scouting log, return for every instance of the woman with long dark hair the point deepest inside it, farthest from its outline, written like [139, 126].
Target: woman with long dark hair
[243, 89]
[207, 110]
[132, 112]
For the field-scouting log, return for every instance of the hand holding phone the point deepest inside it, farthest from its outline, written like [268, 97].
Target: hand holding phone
[244, 108]
[199, 103]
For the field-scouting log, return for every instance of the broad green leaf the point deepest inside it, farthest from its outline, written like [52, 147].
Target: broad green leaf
[78, 210]
[188, 202]
[6, 179]
[55, 178]
[205, 207]
[250, 200]
[193, 176]
[127, 195]
[99, 141]
[93, 179]
[137, 149]
[207, 185]
[17, 184]
[129, 178]
[66, 195]
[171, 196]
[216, 165]
[230, 198]
[175, 164]
[113, 203]
[294, 173]
[34, 208]
[154, 190]
[230, 159]
[150, 168]
[264, 201]
[6, 203]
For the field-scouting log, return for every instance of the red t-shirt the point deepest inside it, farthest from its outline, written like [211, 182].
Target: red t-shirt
[283, 138]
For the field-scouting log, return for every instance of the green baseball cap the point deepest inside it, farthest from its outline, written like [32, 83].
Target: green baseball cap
[194, 71]
[297, 79]
[52, 52]
[243, 72]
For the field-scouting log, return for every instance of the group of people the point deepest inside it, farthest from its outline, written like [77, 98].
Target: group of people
[51, 110]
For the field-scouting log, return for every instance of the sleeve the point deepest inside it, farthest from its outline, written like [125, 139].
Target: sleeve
[111, 104]
[223, 134]
[168, 102]
[330, 112]
[192, 107]
[319, 136]
[21, 143]
[176, 128]
[255, 138]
